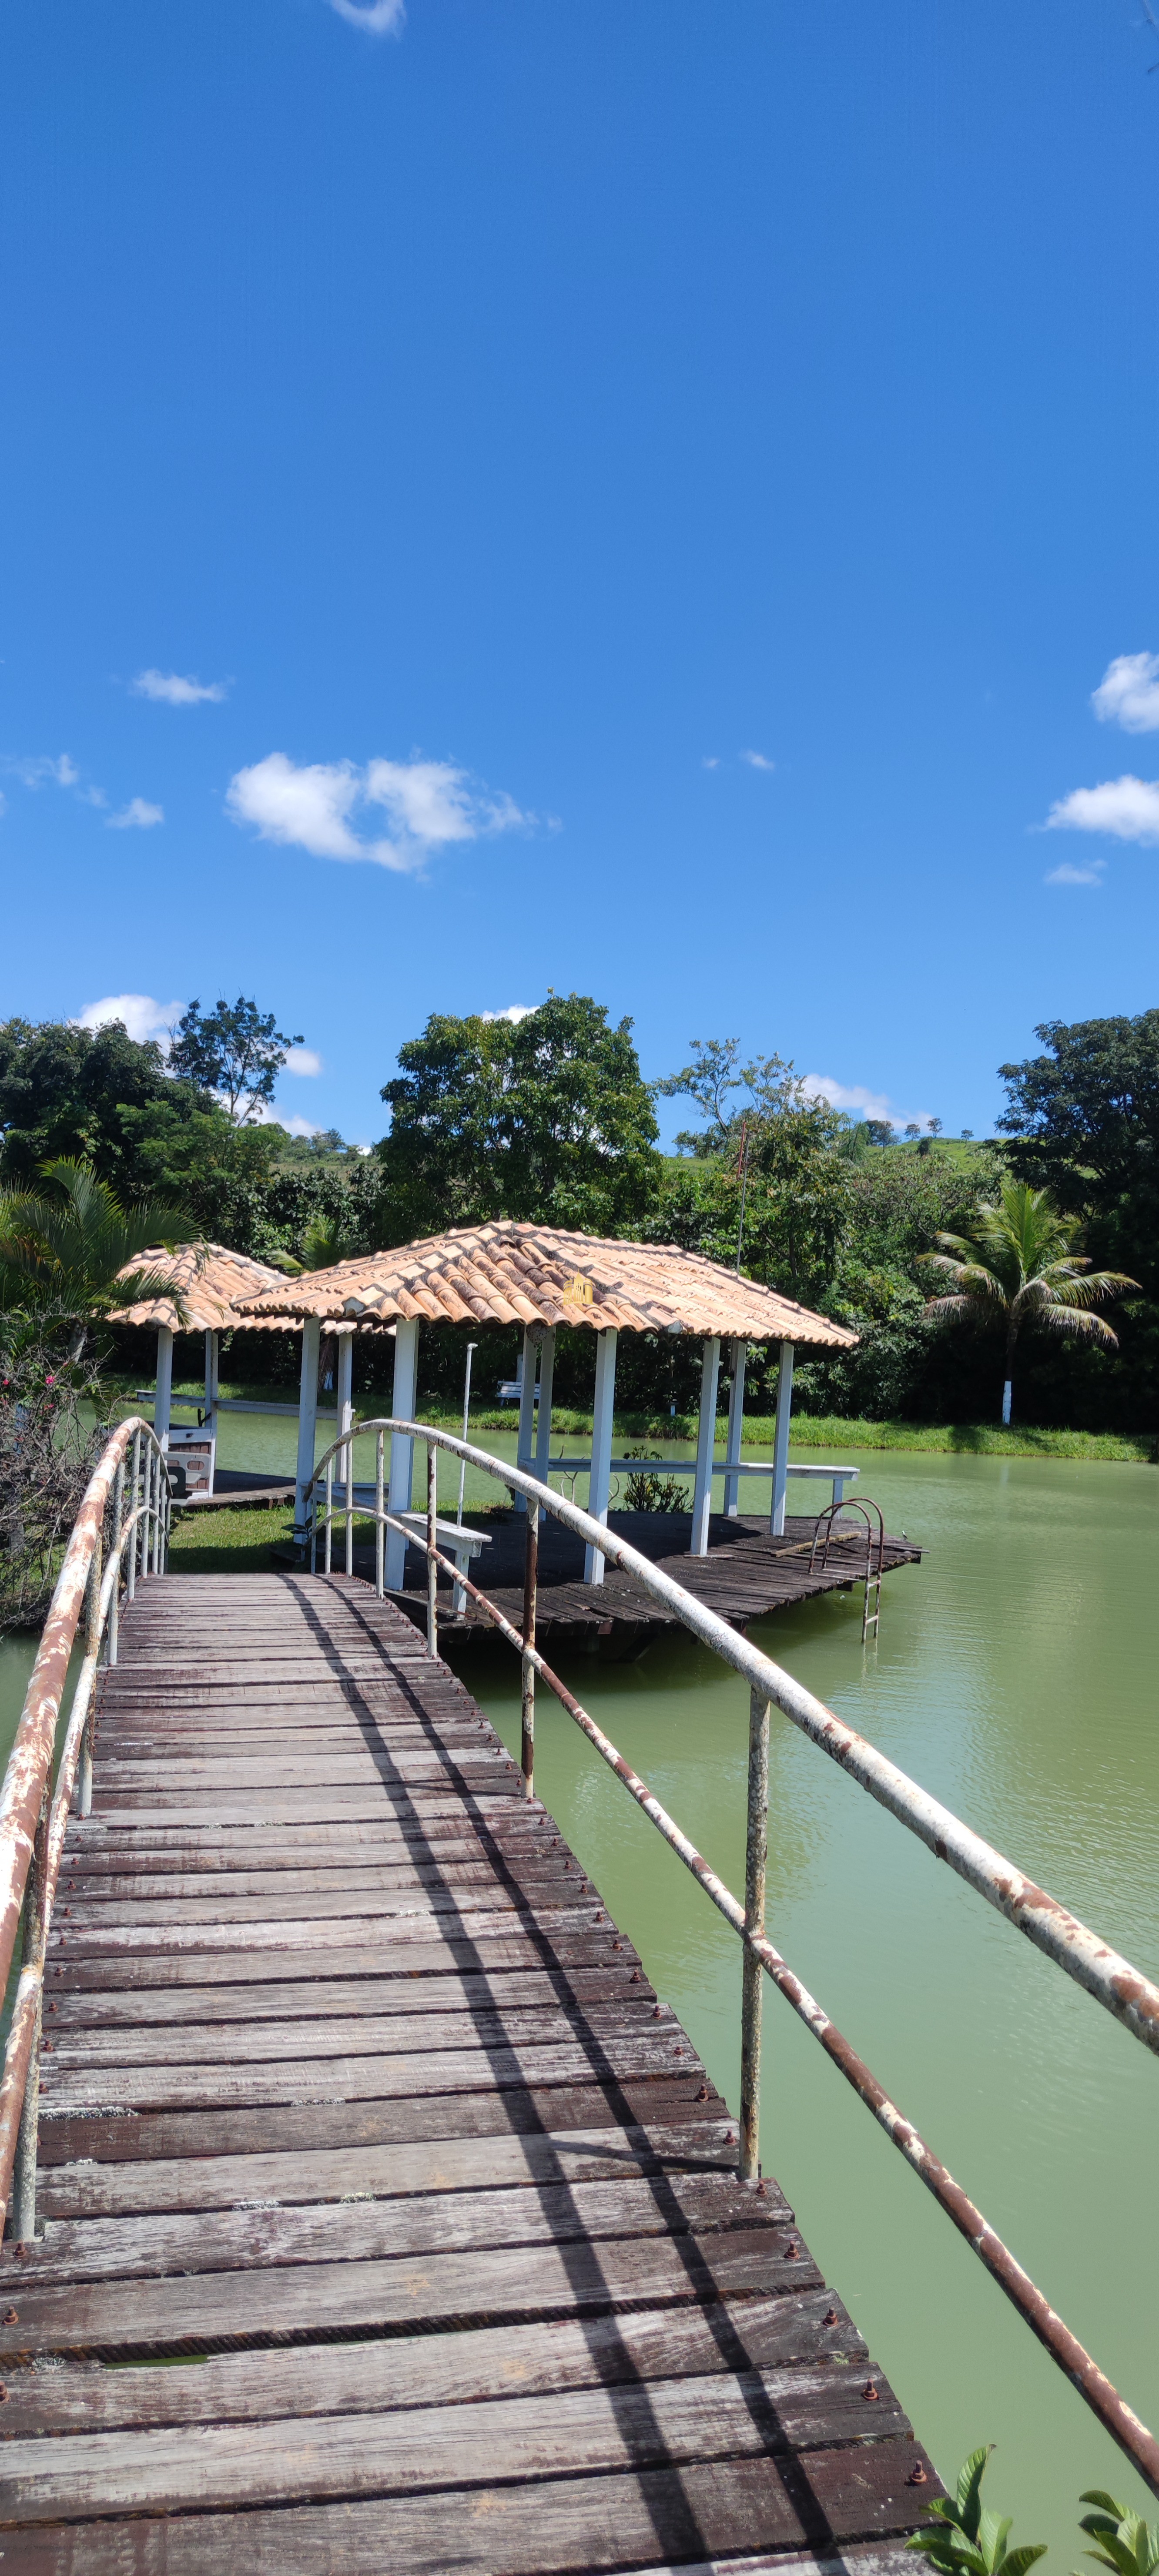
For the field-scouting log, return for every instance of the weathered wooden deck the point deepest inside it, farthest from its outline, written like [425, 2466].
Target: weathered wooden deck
[746, 1575]
[366, 2141]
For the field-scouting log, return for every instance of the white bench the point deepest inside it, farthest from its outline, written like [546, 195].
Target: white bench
[458, 1543]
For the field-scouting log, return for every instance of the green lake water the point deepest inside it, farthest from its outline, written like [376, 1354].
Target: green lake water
[1014, 1679]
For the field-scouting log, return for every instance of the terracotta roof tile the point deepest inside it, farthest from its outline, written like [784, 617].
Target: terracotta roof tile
[211, 1280]
[507, 1273]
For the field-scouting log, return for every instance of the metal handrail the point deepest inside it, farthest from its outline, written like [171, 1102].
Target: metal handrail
[33, 1823]
[1113, 1982]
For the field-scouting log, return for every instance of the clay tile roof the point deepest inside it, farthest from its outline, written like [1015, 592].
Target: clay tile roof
[538, 1274]
[210, 1280]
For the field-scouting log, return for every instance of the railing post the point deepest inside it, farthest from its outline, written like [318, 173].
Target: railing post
[134, 1499]
[84, 1782]
[379, 1532]
[350, 1504]
[118, 1525]
[155, 1461]
[328, 1542]
[432, 1542]
[23, 2203]
[530, 1590]
[752, 1973]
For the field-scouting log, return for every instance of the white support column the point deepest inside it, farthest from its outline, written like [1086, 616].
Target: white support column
[602, 1416]
[705, 1442]
[739, 1352]
[781, 1441]
[543, 1427]
[345, 1384]
[307, 1423]
[406, 1374]
[525, 1442]
[211, 1390]
[163, 1387]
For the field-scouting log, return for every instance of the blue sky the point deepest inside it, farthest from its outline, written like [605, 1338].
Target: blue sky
[652, 493]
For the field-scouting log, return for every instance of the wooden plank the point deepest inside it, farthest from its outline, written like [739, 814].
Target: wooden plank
[557, 2213]
[539, 2528]
[415, 2291]
[375, 2034]
[789, 2333]
[475, 1922]
[456, 2070]
[443, 2164]
[441, 1945]
[579, 1989]
[585, 2430]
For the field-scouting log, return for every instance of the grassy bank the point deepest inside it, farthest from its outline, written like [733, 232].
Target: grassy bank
[810, 1431]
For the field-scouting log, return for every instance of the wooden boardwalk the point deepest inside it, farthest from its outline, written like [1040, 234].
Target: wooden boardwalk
[746, 1575]
[366, 2142]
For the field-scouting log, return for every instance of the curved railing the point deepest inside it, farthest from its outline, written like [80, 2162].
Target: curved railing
[1114, 1983]
[130, 1487]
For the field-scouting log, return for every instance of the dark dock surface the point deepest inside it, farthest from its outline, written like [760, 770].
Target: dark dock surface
[357, 2104]
[746, 1575]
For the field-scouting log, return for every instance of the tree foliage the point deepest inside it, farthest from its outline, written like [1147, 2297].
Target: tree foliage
[547, 1118]
[70, 1250]
[49, 1442]
[1021, 1263]
[234, 1050]
[66, 1091]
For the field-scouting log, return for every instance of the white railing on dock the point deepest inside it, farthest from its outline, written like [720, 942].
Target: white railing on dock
[1114, 1983]
[129, 1490]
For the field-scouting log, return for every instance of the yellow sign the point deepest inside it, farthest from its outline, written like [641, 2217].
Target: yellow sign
[579, 1291]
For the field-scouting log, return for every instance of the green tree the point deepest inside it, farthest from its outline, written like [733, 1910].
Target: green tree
[546, 1119]
[235, 1050]
[1020, 1263]
[71, 1250]
[72, 1092]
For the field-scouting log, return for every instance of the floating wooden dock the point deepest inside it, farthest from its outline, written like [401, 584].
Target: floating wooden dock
[746, 1575]
[366, 2141]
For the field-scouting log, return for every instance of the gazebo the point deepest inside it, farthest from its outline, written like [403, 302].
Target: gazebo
[541, 1277]
[208, 1279]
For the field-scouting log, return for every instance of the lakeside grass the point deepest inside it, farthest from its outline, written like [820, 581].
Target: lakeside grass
[831, 1431]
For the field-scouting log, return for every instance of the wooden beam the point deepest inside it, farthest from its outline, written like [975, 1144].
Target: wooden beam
[406, 1369]
[781, 1441]
[601, 1467]
[739, 1354]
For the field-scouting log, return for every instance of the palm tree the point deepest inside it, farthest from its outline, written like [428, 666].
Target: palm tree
[1021, 1264]
[72, 1250]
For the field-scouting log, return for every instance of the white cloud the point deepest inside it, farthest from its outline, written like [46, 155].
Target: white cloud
[266, 1113]
[142, 1016]
[45, 772]
[136, 816]
[171, 690]
[1127, 808]
[1128, 693]
[1068, 875]
[514, 1012]
[301, 1059]
[757, 760]
[711, 761]
[379, 17]
[854, 1095]
[429, 803]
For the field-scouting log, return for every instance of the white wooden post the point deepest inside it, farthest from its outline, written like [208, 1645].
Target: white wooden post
[307, 1424]
[526, 1436]
[705, 1442]
[211, 1391]
[735, 1427]
[163, 1387]
[781, 1440]
[211, 1387]
[345, 1383]
[601, 1470]
[543, 1429]
[406, 1373]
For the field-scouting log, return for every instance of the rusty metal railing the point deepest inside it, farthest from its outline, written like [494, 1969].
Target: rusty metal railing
[130, 1482]
[1114, 1983]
